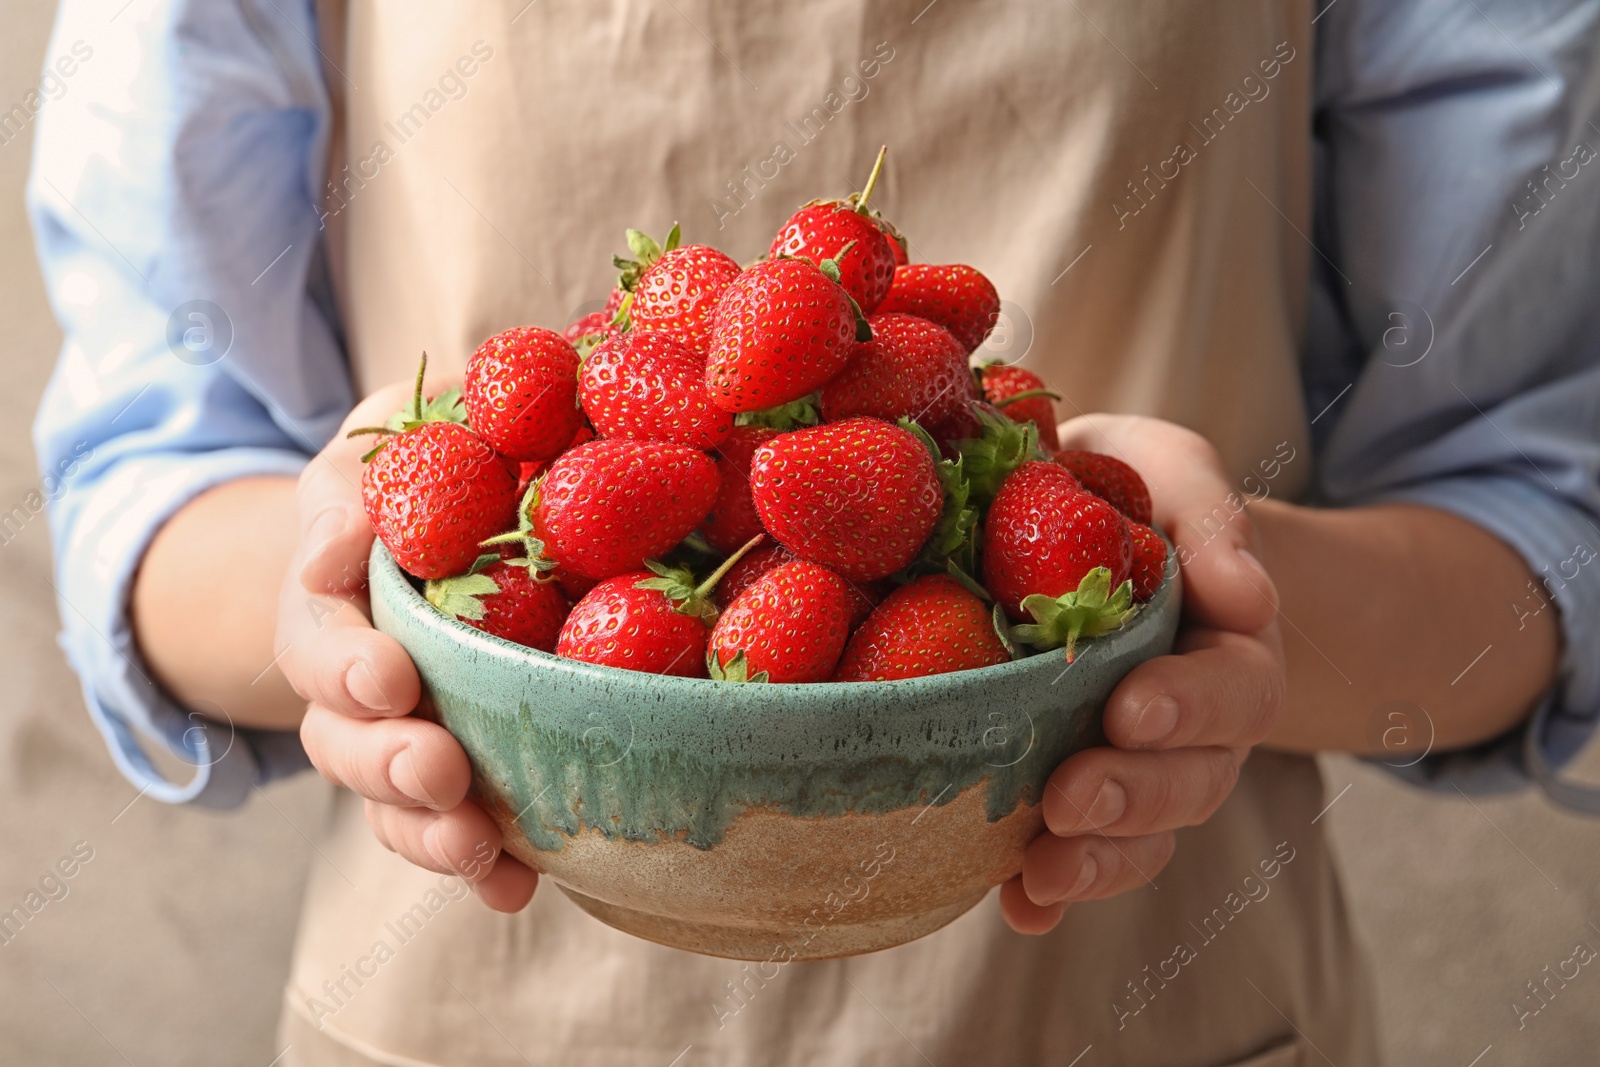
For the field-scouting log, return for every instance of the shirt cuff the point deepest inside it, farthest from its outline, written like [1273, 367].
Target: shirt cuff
[107, 536]
[1561, 546]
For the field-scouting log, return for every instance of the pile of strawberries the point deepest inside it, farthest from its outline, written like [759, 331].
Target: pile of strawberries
[783, 472]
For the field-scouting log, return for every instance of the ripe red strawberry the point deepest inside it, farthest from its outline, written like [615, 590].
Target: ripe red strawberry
[433, 493]
[521, 392]
[650, 387]
[678, 294]
[528, 471]
[586, 332]
[790, 626]
[859, 496]
[932, 625]
[957, 297]
[733, 519]
[605, 507]
[782, 329]
[656, 620]
[1055, 552]
[756, 562]
[576, 586]
[849, 233]
[822, 231]
[864, 596]
[898, 245]
[508, 598]
[1149, 560]
[961, 425]
[1022, 396]
[912, 368]
[1110, 479]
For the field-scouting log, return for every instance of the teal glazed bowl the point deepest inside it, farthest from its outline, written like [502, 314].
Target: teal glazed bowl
[762, 822]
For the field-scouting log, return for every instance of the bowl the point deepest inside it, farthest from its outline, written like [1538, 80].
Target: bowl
[760, 821]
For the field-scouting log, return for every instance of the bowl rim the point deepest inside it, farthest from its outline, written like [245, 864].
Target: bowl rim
[385, 574]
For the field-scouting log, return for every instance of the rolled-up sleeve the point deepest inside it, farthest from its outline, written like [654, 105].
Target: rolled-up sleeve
[1453, 357]
[172, 197]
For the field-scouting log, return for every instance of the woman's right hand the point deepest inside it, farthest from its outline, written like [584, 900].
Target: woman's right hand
[361, 686]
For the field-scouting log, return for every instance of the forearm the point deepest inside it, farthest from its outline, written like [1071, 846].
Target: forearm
[205, 600]
[1395, 603]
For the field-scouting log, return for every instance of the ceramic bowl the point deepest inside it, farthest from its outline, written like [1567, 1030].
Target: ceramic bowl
[762, 822]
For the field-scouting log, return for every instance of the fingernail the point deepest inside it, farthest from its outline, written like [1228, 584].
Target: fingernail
[1108, 806]
[1156, 721]
[1091, 867]
[362, 685]
[404, 777]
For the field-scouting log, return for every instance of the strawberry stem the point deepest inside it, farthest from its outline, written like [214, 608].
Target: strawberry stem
[1026, 394]
[705, 588]
[416, 397]
[872, 181]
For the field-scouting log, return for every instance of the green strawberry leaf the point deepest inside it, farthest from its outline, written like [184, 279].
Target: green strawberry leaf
[791, 416]
[1093, 610]
[446, 407]
[643, 246]
[736, 669]
[678, 584]
[967, 581]
[1002, 629]
[459, 595]
[1001, 448]
[532, 545]
[674, 235]
[958, 519]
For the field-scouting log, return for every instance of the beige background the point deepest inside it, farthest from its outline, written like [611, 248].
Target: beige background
[174, 939]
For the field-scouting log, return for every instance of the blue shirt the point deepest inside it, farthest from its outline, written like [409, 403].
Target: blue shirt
[1453, 353]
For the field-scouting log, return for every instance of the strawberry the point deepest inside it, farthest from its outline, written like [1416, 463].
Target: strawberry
[528, 471]
[859, 496]
[656, 620]
[678, 293]
[898, 246]
[508, 598]
[1021, 395]
[733, 519]
[957, 297]
[849, 233]
[586, 332]
[432, 492]
[521, 392]
[1110, 479]
[912, 368]
[789, 626]
[961, 425]
[650, 386]
[864, 596]
[1149, 560]
[605, 507]
[756, 562]
[1055, 552]
[575, 585]
[932, 625]
[782, 329]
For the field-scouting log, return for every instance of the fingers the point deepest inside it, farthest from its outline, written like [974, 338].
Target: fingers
[508, 886]
[406, 762]
[1198, 506]
[335, 534]
[332, 656]
[463, 841]
[1127, 794]
[1056, 869]
[1221, 689]
[1023, 915]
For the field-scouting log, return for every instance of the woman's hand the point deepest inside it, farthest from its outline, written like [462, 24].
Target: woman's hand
[361, 686]
[1180, 726]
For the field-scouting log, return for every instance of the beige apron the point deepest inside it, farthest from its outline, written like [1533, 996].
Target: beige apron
[1132, 177]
